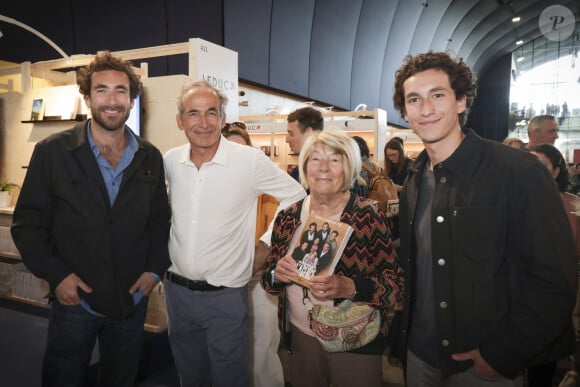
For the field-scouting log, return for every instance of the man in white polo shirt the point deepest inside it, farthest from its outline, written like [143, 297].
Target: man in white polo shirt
[214, 185]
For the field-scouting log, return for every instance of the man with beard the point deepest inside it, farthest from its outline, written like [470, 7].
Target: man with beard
[92, 219]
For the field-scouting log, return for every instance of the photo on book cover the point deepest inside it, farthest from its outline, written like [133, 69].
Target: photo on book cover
[319, 247]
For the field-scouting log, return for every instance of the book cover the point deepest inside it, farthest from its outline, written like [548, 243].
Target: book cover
[319, 247]
[37, 110]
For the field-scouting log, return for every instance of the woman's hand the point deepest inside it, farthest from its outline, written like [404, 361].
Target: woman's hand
[285, 268]
[329, 287]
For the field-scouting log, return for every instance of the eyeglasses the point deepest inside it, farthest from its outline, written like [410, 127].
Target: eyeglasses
[238, 124]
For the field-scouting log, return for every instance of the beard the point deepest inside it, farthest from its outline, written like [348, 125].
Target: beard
[107, 123]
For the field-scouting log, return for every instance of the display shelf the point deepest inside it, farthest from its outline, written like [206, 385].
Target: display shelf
[50, 121]
[54, 119]
[28, 301]
[270, 130]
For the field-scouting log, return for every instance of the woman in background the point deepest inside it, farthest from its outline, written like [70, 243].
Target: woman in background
[369, 169]
[396, 163]
[552, 159]
[266, 367]
[514, 142]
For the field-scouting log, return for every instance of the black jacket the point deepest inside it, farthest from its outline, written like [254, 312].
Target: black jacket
[63, 222]
[503, 257]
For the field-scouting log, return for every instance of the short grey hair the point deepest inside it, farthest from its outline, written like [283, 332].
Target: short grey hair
[536, 122]
[190, 85]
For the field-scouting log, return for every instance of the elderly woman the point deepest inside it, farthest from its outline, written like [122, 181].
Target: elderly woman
[368, 269]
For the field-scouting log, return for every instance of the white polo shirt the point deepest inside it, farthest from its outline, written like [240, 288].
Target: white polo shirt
[213, 220]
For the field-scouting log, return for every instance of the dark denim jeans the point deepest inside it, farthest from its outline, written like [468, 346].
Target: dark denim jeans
[72, 334]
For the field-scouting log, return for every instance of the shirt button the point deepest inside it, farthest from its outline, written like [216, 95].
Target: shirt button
[443, 180]
[440, 219]
[443, 305]
[445, 343]
[441, 262]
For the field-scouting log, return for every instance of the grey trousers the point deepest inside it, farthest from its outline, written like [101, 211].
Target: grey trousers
[208, 334]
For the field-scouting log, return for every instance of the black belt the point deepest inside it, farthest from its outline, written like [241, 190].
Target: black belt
[192, 284]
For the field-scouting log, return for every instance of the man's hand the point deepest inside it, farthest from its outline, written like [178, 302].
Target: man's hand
[146, 283]
[66, 291]
[260, 256]
[480, 366]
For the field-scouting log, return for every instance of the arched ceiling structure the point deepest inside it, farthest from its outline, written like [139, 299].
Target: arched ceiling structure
[338, 52]
[345, 52]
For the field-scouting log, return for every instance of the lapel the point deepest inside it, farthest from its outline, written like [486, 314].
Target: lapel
[87, 170]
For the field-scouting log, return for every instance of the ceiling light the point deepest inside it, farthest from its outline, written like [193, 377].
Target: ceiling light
[519, 42]
[515, 19]
[521, 58]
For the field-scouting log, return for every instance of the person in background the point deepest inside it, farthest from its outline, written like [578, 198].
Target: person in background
[368, 270]
[489, 257]
[368, 169]
[542, 130]
[550, 156]
[214, 185]
[237, 132]
[262, 311]
[514, 142]
[553, 160]
[396, 163]
[92, 219]
[301, 124]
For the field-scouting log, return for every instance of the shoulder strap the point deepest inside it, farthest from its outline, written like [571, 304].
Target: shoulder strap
[368, 169]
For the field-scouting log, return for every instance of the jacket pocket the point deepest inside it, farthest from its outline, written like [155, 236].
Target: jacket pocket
[478, 239]
[478, 232]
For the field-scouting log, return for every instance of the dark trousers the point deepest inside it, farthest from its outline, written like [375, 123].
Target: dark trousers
[72, 334]
[541, 375]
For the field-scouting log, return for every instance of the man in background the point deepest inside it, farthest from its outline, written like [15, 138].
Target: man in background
[301, 123]
[93, 220]
[542, 130]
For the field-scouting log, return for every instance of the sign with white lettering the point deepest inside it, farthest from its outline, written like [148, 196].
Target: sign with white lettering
[218, 66]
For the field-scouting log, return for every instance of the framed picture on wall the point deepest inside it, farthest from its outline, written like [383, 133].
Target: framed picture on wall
[37, 110]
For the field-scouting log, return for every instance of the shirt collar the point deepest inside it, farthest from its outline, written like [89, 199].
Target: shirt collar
[462, 161]
[220, 157]
[132, 144]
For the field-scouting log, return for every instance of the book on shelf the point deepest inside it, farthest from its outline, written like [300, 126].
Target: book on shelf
[319, 247]
[37, 113]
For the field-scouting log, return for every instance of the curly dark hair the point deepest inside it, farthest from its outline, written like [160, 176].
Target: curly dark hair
[104, 61]
[462, 79]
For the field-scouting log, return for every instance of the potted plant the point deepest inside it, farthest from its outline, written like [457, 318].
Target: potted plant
[5, 188]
